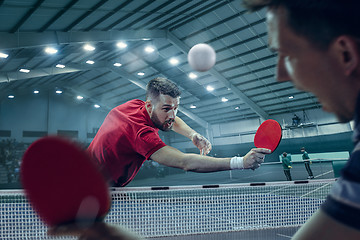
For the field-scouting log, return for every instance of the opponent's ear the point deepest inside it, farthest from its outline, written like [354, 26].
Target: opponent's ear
[348, 52]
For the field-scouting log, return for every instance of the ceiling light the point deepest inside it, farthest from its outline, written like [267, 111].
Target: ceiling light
[192, 106]
[173, 61]
[149, 49]
[51, 50]
[36, 91]
[80, 97]
[224, 99]
[90, 62]
[210, 88]
[117, 64]
[24, 70]
[58, 92]
[121, 45]
[88, 47]
[96, 106]
[11, 96]
[291, 97]
[3, 55]
[192, 75]
[140, 73]
[237, 108]
[145, 39]
[60, 65]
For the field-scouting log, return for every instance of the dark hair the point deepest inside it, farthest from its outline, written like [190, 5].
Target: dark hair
[160, 85]
[284, 154]
[303, 148]
[320, 21]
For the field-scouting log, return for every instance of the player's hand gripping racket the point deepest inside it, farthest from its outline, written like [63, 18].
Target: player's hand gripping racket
[268, 135]
[62, 183]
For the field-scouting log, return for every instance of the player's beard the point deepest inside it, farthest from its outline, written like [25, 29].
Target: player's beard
[162, 126]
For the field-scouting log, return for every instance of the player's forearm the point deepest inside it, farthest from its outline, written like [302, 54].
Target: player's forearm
[182, 128]
[200, 163]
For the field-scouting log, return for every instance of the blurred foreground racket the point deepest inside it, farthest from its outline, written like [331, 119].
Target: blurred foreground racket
[268, 135]
[62, 183]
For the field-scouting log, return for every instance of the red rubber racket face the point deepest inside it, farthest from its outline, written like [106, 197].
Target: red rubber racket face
[268, 135]
[62, 183]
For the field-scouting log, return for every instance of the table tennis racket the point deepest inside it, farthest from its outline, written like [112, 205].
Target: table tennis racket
[268, 135]
[63, 184]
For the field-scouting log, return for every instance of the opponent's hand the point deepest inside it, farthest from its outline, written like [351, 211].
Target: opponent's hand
[201, 143]
[96, 231]
[289, 166]
[255, 157]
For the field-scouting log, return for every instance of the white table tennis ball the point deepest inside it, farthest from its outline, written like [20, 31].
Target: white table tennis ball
[201, 57]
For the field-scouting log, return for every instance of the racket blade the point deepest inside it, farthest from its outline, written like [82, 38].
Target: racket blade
[268, 135]
[59, 178]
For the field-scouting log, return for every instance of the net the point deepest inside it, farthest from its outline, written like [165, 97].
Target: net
[172, 211]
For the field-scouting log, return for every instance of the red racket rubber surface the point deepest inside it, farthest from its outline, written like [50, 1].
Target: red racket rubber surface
[62, 183]
[268, 135]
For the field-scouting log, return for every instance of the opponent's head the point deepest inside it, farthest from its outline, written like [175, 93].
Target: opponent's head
[302, 149]
[162, 102]
[320, 21]
[284, 154]
[318, 48]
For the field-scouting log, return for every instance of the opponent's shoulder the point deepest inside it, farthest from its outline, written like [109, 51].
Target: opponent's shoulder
[356, 148]
[352, 168]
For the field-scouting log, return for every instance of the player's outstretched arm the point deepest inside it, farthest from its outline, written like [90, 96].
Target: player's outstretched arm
[172, 157]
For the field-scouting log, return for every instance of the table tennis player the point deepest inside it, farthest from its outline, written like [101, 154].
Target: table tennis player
[129, 136]
[318, 46]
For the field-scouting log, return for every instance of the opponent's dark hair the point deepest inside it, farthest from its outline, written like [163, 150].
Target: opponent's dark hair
[164, 86]
[320, 21]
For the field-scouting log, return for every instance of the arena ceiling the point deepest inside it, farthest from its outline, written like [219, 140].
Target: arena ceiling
[243, 78]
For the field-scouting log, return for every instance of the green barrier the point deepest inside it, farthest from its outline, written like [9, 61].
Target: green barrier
[337, 166]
